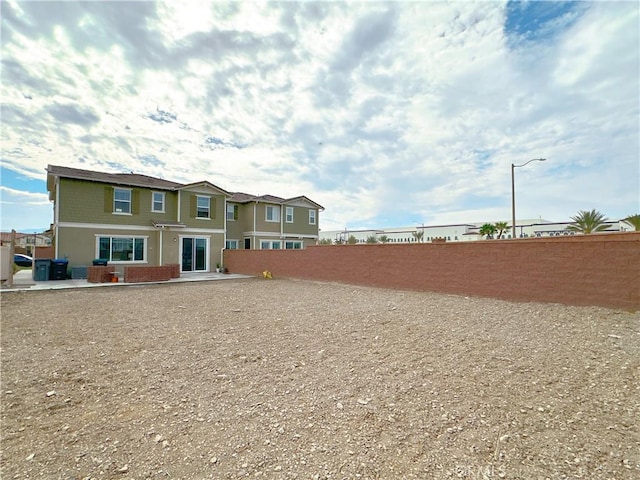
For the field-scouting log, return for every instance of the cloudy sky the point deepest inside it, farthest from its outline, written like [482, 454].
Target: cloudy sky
[386, 113]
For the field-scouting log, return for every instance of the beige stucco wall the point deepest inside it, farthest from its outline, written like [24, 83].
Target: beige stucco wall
[79, 245]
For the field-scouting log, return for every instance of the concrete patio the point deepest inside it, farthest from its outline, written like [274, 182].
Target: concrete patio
[23, 281]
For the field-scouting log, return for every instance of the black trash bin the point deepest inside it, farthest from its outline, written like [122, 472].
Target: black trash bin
[100, 262]
[41, 267]
[58, 269]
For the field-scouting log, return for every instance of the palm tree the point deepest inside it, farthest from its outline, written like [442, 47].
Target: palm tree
[418, 235]
[588, 222]
[501, 227]
[352, 240]
[383, 239]
[634, 220]
[487, 229]
[372, 239]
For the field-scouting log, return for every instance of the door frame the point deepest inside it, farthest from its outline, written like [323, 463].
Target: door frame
[207, 251]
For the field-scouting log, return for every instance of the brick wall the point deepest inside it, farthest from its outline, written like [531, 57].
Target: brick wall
[148, 274]
[44, 252]
[175, 270]
[99, 274]
[601, 269]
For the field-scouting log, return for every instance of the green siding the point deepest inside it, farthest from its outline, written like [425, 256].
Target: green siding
[235, 228]
[92, 202]
[300, 223]
[261, 224]
[188, 211]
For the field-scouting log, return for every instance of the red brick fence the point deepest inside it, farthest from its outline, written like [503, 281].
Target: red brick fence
[602, 269]
[134, 274]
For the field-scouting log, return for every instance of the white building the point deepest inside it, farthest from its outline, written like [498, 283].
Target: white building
[459, 232]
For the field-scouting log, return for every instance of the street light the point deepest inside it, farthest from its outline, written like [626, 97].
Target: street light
[513, 193]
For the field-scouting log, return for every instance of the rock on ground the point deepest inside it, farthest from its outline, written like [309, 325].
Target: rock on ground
[295, 379]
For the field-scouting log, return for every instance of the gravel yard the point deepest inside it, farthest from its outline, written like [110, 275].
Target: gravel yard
[294, 379]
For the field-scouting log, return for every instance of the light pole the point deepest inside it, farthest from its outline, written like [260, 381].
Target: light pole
[513, 193]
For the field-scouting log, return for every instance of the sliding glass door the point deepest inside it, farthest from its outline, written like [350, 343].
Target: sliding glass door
[194, 254]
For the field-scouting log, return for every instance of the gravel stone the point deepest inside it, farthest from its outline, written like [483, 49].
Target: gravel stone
[288, 379]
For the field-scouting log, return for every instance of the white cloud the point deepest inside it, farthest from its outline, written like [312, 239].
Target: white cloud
[382, 112]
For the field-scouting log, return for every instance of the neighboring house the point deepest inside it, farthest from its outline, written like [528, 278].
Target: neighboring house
[25, 242]
[128, 218]
[267, 222]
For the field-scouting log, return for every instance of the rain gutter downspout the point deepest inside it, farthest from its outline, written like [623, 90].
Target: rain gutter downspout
[255, 211]
[57, 218]
[281, 225]
[160, 256]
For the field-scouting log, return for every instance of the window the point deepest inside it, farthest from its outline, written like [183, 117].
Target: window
[270, 244]
[273, 213]
[231, 244]
[232, 212]
[288, 214]
[121, 200]
[312, 217]
[122, 249]
[293, 245]
[202, 207]
[157, 201]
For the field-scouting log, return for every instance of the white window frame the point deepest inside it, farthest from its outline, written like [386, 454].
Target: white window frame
[116, 201]
[231, 209]
[293, 244]
[312, 217]
[288, 214]
[270, 244]
[154, 201]
[208, 199]
[117, 237]
[231, 244]
[275, 215]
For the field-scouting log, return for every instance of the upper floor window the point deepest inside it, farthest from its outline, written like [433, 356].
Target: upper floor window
[293, 245]
[288, 214]
[312, 217]
[273, 213]
[231, 244]
[157, 202]
[203, 207]
[121, 200]
[232, 212]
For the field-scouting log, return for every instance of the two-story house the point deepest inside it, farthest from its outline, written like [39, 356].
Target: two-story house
[128, 218]
[269, 222]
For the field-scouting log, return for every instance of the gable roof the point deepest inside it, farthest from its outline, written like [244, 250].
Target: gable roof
[303, 198]
[240, 197]
[205, 184]
[138, 180]
[129, 179]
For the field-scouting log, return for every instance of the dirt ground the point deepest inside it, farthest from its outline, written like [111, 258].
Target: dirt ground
[293, 379]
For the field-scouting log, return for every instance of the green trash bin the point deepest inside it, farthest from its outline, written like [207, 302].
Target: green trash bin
[41, 268]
